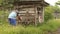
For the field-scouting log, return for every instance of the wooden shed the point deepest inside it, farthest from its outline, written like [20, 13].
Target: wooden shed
[31, 11]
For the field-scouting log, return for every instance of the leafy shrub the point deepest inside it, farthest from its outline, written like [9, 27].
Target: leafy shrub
[48, 14]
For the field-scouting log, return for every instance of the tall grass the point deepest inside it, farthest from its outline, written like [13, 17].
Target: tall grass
[48, 27]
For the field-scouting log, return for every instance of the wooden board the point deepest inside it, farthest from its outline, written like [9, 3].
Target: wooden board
[27, 15]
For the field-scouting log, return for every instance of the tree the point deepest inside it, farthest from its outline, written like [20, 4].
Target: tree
[48, 13]
[7, 3]
[50, 10]
[58, 3]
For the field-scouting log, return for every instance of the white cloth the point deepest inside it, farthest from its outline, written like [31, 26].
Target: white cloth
[12, 15]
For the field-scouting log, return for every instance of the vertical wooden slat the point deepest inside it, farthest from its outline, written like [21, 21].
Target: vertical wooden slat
[43, 14]
[35, 15]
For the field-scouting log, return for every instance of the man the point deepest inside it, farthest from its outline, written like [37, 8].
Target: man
[12, 17]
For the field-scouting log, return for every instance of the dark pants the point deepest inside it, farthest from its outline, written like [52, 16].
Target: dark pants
[12, 21]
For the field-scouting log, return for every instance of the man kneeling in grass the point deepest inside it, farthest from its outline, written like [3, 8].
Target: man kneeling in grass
[12, 17]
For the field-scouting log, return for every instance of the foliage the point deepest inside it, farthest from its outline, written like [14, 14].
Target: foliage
[48, 13]
[8, 2]
[58, 3]
[4, 16]
[56, 8]
[50, 26]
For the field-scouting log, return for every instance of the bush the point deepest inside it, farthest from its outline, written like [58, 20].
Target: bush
[51, 25]
[48, 14]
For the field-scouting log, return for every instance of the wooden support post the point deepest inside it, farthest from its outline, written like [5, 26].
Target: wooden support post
[43, 14]
[35, 15]
[43, 10]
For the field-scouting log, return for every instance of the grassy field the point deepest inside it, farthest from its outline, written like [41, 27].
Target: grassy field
[49, 27]
[45, 28]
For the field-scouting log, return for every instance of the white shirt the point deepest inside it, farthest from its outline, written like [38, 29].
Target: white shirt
[12, 15]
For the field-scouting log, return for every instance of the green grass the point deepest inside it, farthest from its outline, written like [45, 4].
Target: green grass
[50, 26]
